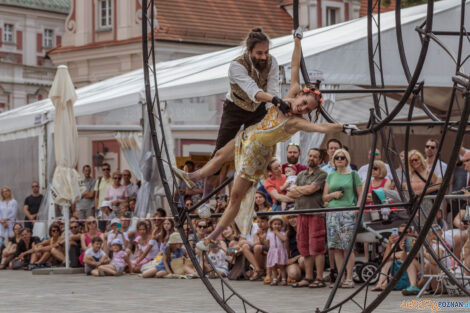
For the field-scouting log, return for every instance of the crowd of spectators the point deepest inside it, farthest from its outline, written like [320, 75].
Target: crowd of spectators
[297, 249]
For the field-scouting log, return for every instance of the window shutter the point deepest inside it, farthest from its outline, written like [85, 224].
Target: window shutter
[1, 37]
[39, 42]
[58, 40]
[19, 40]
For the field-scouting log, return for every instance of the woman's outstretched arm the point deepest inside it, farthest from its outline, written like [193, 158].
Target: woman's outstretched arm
[295, 69]
[299, 124]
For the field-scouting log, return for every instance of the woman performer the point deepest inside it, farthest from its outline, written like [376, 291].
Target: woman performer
[255, 146]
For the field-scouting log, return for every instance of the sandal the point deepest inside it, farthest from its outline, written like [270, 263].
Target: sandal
[318, 283]
[183, 176]
[302, 283]
[274, 282]
[257, 275]
[267, 280]
[347, 284]
[290, 281]
[283, 282]
[378, 289]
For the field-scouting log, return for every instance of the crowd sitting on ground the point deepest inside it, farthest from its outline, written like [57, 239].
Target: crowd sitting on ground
[290, 249]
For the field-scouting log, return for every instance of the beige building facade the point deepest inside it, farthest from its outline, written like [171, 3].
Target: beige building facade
[103, 39]
[27, 30]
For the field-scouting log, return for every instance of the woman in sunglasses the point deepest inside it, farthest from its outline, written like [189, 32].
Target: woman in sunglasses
[91, 231]
[254, 147]
[419, 174]
[343, 188]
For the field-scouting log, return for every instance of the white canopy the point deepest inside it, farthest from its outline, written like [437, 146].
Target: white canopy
[338, 51]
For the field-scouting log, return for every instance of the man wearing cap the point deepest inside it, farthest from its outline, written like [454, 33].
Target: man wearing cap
[293, 155]
[311, 231]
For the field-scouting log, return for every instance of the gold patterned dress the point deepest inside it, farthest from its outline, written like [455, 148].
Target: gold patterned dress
[254, 149]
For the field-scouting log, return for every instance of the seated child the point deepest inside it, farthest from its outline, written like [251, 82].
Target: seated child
[218, 259]
[95, 257]
[119, 262]
[172, 253]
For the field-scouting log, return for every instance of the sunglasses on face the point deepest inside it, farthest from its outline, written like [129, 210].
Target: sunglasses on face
[106, 169]
[414, 160]
[54, 230]
[202, 226]
[293, 144]
[116, 177]
[375, 168]
[430, 147]
[91, 222]
[73, 227]
[338, 157]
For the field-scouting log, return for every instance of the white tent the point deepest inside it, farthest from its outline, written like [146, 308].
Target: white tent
[338, 51]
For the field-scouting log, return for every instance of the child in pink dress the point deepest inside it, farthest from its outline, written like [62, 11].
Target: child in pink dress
[277, 255]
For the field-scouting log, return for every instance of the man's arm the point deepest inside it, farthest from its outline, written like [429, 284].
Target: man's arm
[239, 75]
[298, 191]
[26, 212]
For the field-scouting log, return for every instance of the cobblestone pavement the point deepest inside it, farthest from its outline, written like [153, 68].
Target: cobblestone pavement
[22, 292]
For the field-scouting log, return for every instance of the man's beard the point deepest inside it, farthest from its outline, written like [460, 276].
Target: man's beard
[259, 64]
[312, 164]
[292, 160]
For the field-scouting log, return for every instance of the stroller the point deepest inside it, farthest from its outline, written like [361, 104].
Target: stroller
[375, 231]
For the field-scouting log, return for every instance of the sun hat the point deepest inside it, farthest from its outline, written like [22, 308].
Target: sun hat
[115, 221]
[117, 241]
[175, 238]
[106, 203]
[274, 218]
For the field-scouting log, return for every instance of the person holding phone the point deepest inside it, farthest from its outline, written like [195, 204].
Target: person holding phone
[343, 188]
[116, 233]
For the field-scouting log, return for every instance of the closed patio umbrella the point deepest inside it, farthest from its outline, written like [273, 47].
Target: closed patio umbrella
[65, 182]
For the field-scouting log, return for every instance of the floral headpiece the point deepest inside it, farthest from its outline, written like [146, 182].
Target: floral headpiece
[314, 92]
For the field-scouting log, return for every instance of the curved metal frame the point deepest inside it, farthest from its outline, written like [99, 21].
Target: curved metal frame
[377, 124]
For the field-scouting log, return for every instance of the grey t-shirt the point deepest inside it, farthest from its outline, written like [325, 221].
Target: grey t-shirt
[84, 203]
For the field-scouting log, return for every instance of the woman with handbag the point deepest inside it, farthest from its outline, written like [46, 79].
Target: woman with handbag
[343, 188]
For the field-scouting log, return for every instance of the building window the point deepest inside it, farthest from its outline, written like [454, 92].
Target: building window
[48, 38]
[8, 33]
[105, 13]
[331, 16]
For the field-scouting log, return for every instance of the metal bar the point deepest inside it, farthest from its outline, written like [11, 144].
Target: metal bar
[129, 128]
[445, 33]
[322, 210]
[426, 123]
[365, 90]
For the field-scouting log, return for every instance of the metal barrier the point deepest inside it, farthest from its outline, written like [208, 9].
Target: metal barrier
[451, 234]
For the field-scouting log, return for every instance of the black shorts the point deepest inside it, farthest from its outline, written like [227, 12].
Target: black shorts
[233, 117]
[264, 251]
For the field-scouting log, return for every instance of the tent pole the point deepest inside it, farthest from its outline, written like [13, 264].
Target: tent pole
[65, 213]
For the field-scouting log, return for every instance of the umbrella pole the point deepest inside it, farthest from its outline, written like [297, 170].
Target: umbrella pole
[65, 213]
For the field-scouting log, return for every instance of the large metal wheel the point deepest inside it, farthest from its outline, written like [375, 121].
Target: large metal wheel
[380, 127]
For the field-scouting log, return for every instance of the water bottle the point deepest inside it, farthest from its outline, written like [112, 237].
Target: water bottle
[385, 211]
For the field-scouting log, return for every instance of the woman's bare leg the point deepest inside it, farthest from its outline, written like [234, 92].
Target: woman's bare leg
[240, 187]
